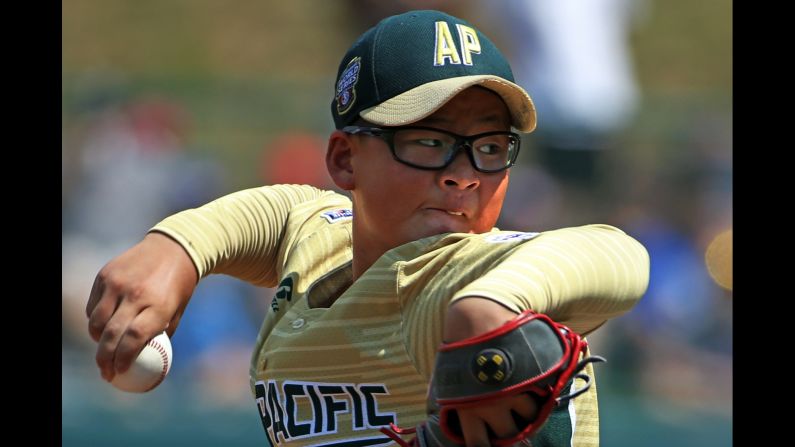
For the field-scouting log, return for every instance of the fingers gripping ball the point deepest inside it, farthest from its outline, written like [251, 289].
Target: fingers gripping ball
[149, 368]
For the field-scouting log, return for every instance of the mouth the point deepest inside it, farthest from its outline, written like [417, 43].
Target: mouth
[450, 212]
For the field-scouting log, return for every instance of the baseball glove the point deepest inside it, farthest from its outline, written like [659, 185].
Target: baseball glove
[529, 354]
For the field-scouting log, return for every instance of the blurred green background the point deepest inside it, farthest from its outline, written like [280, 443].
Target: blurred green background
[240, 82]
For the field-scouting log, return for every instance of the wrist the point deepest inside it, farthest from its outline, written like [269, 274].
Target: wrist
[169, 250]
[471, 316]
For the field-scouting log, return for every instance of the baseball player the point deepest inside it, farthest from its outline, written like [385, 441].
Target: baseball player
[401, 316]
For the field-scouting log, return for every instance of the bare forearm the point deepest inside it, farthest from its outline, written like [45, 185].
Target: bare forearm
[473, 315]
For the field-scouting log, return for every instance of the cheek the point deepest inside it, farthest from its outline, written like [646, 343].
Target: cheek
[392, 192]
[393, 186]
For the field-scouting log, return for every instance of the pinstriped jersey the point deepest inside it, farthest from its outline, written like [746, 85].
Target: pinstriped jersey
[336, 359]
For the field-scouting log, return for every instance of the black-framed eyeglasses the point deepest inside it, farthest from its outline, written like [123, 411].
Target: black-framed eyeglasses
[434, 149]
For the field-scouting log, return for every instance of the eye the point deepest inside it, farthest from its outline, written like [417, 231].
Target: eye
[428, 142]
[490, 148]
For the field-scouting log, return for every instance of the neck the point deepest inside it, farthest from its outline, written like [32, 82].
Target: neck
[362, 259]
[366, 248]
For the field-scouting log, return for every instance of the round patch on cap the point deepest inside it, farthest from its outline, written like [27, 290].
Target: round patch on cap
[491, 366]
[346, 93]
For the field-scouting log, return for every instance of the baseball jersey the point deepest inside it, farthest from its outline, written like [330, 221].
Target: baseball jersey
[336, 359]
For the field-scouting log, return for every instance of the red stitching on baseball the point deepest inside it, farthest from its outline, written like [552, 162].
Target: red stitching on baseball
[164, 356]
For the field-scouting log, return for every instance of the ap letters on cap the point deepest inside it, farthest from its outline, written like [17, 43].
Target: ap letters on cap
[445, 46]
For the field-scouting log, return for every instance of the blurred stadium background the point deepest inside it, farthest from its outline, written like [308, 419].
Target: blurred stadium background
[168, 104]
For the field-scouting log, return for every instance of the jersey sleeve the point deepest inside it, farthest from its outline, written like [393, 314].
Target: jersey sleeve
[241, 234]
[580, 276]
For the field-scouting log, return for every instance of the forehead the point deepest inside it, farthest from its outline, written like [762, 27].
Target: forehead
[476, 105]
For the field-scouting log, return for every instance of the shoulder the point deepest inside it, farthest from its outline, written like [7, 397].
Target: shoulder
[326, 215]
[494, 241]
[327, 208]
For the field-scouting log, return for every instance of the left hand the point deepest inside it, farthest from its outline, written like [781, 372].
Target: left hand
[497, 415]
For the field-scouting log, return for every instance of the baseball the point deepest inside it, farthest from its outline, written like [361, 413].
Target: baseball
[149, 368]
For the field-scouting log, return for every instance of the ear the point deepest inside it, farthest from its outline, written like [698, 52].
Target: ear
[338, 160]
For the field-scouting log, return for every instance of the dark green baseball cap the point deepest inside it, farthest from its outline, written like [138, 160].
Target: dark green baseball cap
[409, 65]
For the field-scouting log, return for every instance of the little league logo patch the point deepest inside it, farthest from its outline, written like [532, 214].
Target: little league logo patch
[346, 93]
[337, 215]
[500, 238]
[284, 292]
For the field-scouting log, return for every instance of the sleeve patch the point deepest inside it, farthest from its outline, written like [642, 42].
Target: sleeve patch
[337, 215]
[510, 237]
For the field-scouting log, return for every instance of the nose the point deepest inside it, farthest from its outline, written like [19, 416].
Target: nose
[460, 174]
